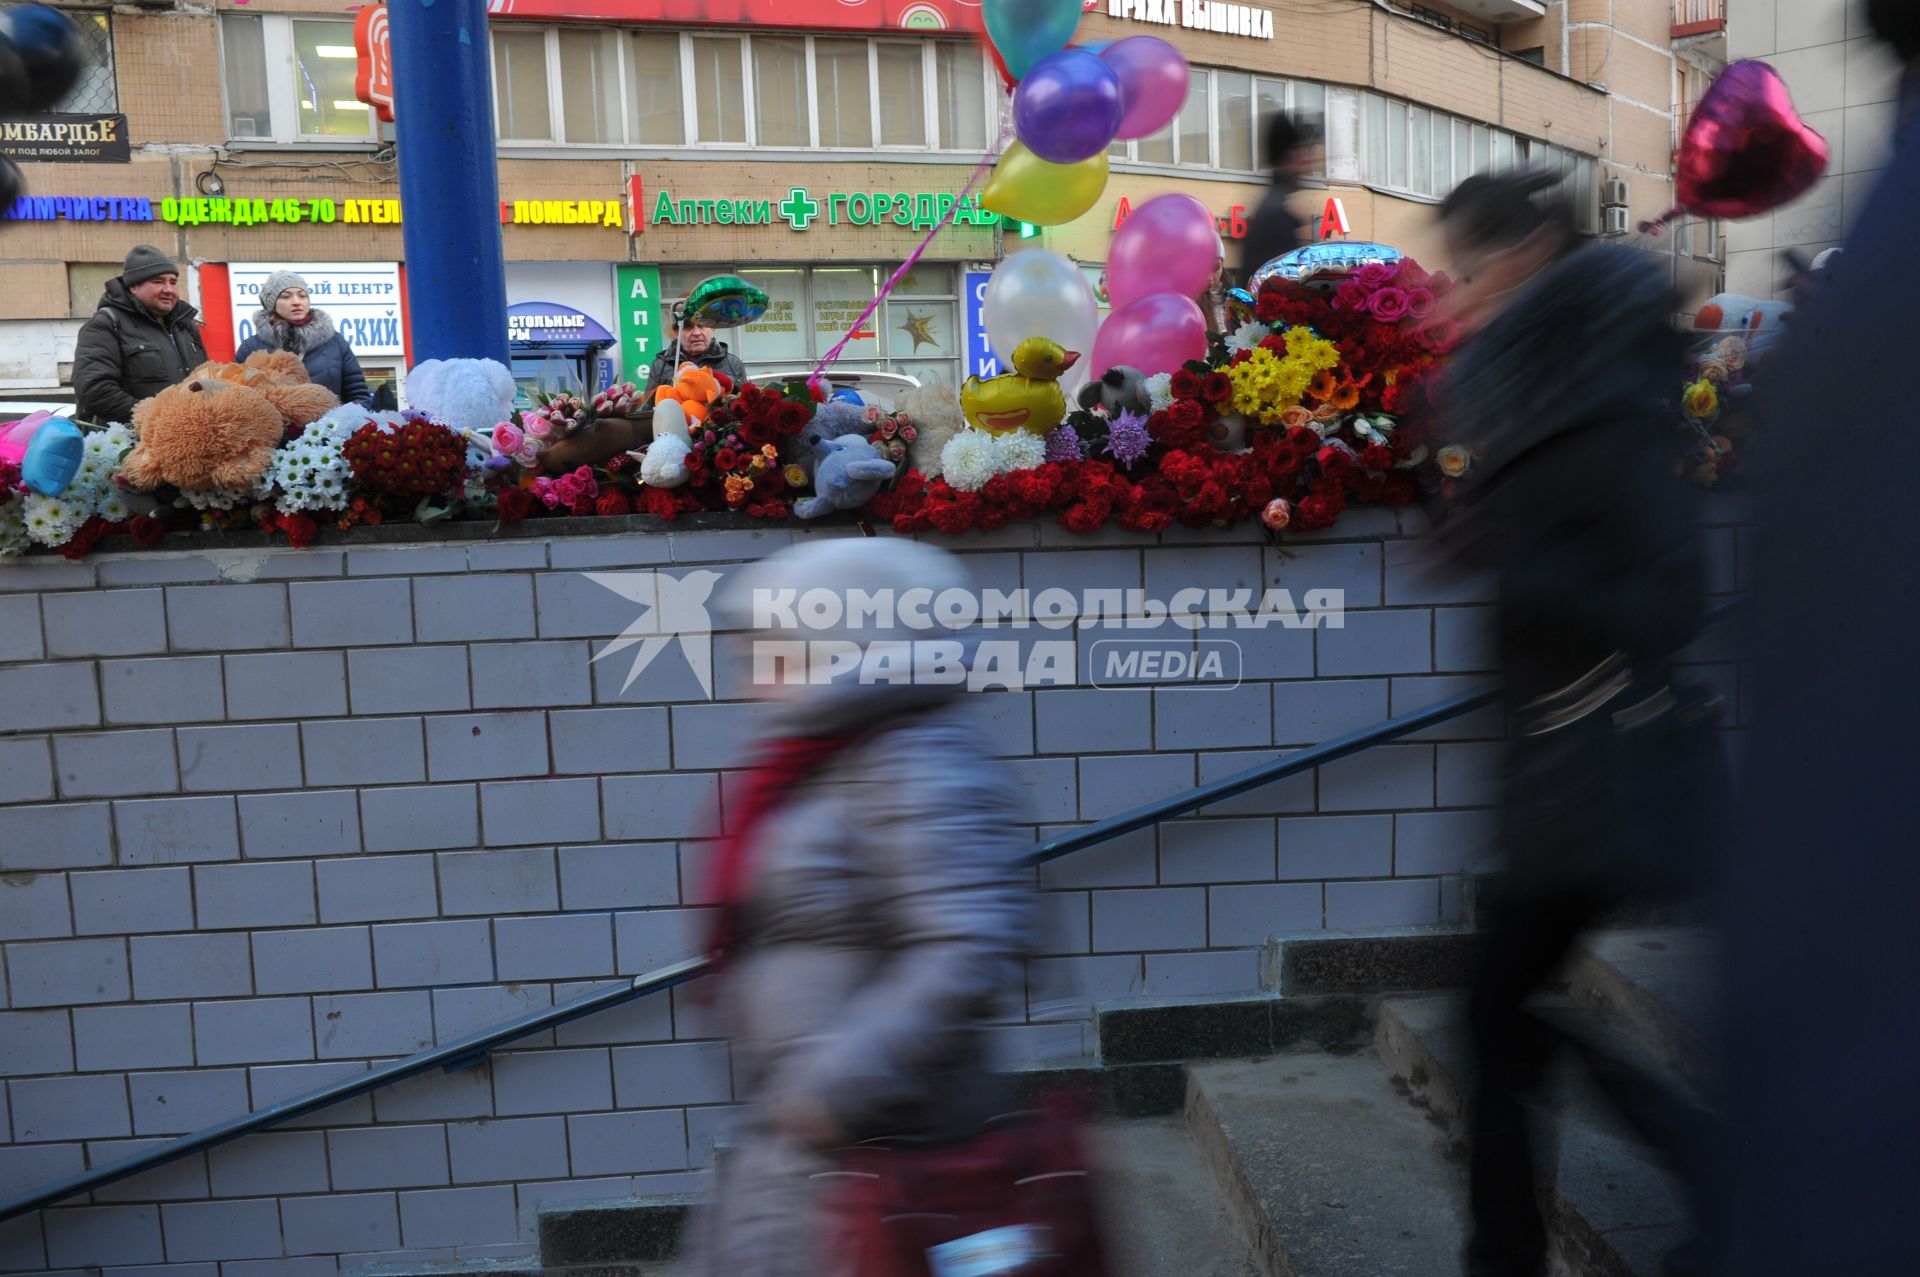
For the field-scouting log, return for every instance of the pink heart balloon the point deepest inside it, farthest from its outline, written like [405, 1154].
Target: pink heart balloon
[1746, 150]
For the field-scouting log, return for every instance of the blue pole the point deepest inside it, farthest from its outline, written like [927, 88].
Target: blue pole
[449, 182]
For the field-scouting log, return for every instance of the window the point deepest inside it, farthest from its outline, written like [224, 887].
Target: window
[902, 79]
[1193, 124]
[520, 99]
[291, 79]
[590, 85]
[961, 98]
[1426, 152]
[657, 111]
[780, 90]
[1234, 116]
[1420, 152]
[719, 89]
[95, 90]
[86, 283]
[846, 110]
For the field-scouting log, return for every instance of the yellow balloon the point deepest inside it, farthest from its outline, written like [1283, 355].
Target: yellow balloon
[1029, 189]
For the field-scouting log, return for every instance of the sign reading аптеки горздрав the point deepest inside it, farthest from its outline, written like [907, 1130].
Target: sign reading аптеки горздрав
[800, 210]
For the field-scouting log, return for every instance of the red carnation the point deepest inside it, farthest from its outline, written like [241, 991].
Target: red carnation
[1304, 441]
[148, 530]
[1086, 516]
[1318, 512]
[300, 529]
[1377, 457]
[956, 516]
[1150, 507]
[514, 504]
[768, 509]
[613, 501]
[1217, 389]
[1185, 385]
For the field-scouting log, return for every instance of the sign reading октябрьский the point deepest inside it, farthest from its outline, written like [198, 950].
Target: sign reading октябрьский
[70, 139]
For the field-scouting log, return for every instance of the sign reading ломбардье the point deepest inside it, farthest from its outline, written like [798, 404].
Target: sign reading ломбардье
[96, 139]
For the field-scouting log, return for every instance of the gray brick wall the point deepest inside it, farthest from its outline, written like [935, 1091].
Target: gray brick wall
[267, 821]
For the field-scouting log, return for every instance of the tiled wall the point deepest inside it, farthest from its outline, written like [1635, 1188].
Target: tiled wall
[272, 816]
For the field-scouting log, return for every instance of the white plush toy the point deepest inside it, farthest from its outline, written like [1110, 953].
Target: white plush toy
[665, 465]
[467, 394]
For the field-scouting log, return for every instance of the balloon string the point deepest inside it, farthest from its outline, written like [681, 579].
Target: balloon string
[1655, 227]
[987, 162]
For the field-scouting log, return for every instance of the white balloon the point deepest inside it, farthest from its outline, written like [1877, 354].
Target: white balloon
[1040, 294]
[670, 419]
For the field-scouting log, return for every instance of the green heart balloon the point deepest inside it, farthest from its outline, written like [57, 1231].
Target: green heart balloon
[725, 301]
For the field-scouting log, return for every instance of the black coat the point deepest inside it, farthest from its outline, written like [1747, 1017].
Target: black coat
[1274, 231]
[716, 358]
[124, 354]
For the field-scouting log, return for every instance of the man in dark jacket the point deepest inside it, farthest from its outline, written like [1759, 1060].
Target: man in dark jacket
[143, 339]
[693, 344]
[1294, 150]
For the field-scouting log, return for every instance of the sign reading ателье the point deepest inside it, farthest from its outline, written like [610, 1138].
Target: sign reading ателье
[70, 139]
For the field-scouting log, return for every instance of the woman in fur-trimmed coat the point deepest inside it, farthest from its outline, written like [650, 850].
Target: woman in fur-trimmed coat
[287, 320]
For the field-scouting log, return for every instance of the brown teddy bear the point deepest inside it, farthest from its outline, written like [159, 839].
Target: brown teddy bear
[218, 428]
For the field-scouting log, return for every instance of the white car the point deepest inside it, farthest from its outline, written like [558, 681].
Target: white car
[14, 409]
[880, 387]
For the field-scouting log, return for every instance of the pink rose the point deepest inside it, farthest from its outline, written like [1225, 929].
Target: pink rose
[1376, 275]
[909, 433]
[1413, 275]
[540, 428]
[888, 429]
[528, 455]
[1440, 282]
[507, 438]
[1420, 303]
[1389, 305]
[1351, 295]
[872, 415]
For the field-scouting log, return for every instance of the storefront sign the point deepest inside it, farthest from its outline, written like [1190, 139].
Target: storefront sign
[545, 321]
[1232, 224]
[800, 209]
[373, 83]
[240, 211]
[362, 299]
[1334, 220]
[803, 15]
[1197, 15]
[70, 139]
[981, 361]
[561, 213]
[641, 337]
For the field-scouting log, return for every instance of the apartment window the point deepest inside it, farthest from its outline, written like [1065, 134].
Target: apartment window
[1234, 118]
[1426, 152]
[656, 107]
[1194, 125]
[520, 99]
[95, 91]
[780, 90]
[291, 79]
[590, 85]
[902, 80]
[961, 97]
[719, 89]
[846, 112]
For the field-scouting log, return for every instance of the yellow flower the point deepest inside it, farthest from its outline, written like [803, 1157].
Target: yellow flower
[1454, 460]
[1701, 400]
[1266, 384]
[795, 475]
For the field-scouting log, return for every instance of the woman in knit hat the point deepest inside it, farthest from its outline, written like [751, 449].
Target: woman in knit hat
[288, 320]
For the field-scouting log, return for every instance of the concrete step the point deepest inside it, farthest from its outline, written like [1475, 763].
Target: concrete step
[1389, 959]
[1656, 984]
[1330, 1172]
[1163, 1031]
[1613, 1209]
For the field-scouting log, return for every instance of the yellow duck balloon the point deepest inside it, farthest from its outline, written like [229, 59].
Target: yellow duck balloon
[1028, 398]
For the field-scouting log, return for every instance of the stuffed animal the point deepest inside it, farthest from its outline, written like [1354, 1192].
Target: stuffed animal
[694, 388]
[830, 420]
[1735, 315]
[1028, 398]
[847, 471]
[282, 379]
[935, 409]
[1122, 389]
[468, 394]
[665, 463]
[206, 432]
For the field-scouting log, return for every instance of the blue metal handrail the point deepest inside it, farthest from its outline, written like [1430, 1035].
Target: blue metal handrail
[474, 1049]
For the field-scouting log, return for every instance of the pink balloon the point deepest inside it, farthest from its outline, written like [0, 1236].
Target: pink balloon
[1156, 333]
[1747, 150]
[1170, 244]
[1153, 83]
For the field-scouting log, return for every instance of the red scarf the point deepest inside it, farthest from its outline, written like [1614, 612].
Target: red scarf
[783, 764]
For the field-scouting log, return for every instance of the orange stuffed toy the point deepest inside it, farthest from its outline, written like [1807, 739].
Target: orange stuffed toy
[218, 428]
[694, 388]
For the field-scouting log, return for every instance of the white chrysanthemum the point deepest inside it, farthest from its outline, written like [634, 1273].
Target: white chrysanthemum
[310, 473]
[114, 508]
[13, 533]
[1247, 336]
[1160, 390]
[968, 460]
[1021, 451]
[52, 521]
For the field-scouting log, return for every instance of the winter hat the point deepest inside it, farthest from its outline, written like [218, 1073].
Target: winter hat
[279, 282]
[145, 262]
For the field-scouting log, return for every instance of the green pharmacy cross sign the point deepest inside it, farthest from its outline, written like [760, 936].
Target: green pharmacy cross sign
[799, 208]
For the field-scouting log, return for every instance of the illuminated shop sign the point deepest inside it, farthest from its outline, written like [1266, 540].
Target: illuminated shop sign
[546, 321]
[88, 139]
[801, 210]
[803, 15]
[240, 211]
[1197, 15]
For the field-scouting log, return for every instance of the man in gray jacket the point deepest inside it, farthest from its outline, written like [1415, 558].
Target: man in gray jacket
[693, 343]
[143, 338]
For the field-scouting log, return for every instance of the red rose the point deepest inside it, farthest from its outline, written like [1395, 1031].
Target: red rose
[514, 505]
[148, 530]
[726, 383]
[1217, 389]
[757, 431]
[1303, 441]
[1377, 457]
[768, 509]
[1318, 512]
[791, 418]
[613, 502]
[1185, 385]
[300, 529]
[726, 459]
[697, 460]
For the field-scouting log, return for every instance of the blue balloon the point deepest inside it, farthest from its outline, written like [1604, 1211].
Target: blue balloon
[1068, 107]
[1025, 31]
[1330, 260]
[53, 458]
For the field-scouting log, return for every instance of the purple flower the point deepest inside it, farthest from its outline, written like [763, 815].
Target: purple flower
[1127, 438]
[1063, 444]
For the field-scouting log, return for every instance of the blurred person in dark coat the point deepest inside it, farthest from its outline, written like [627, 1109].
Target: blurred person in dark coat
[1571, 503]
[1824, 950]
[1294, 152]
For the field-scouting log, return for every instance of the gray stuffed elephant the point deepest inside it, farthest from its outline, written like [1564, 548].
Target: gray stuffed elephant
[847, 472]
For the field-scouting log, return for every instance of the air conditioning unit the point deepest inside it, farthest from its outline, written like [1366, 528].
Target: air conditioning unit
[1614, 221]
[1613, 193]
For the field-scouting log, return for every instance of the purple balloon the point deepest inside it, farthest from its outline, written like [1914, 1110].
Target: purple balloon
[1170, 244]
[1157, 333]
[1153, 83]
[1067, 107]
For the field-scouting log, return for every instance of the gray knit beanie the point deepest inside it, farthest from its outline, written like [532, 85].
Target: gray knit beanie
[279, 282]
[145, 262]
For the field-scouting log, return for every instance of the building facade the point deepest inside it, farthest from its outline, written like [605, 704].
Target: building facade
[1846, 85]
[646, 143]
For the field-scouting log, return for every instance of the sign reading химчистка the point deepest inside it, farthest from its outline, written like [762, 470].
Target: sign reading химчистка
[68, 139]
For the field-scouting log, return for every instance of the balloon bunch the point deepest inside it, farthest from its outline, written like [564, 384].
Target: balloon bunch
[1069, 105]
[41, 57]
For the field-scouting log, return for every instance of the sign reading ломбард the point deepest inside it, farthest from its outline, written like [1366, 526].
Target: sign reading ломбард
[96, 139]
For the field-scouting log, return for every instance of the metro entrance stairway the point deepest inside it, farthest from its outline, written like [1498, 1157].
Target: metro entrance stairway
[1318, 1129]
